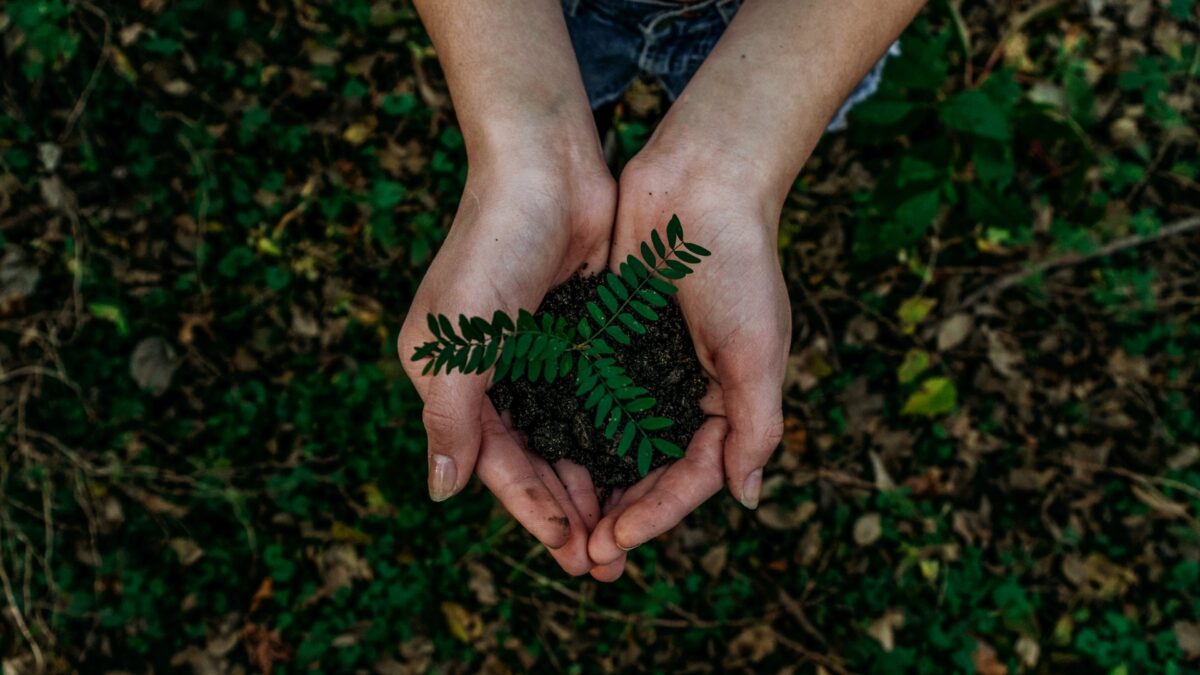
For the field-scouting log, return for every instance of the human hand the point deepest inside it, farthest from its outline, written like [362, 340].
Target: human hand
[736, 307]
[525, 224]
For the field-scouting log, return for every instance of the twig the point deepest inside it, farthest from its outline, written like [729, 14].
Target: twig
[91, 84]
[1132, 241]
[19, 618]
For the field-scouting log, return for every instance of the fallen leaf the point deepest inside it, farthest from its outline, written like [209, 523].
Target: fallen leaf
[153, 364]
[868, 529]
[482, 584]
[714, 561]
[936, 396]
[985, 660]
[953, 331]
[463, 623]
[1187, 634]
[753, 644]
[884, 628]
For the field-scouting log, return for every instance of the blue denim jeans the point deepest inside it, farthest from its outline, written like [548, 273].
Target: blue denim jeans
[616, 40]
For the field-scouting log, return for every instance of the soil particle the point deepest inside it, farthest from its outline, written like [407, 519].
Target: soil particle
[553, 419]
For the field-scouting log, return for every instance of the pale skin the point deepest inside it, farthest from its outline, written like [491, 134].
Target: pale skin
[723, 158]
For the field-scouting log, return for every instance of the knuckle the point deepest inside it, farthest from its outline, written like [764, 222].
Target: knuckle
[438, 420]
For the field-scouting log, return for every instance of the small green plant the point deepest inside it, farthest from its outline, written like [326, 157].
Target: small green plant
[547, 348]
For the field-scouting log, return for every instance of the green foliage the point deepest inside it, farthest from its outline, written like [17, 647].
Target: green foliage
[549, 349]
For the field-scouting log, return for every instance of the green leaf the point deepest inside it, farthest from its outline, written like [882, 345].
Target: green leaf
[627, 435]
[662, 286]
[424, 351]
[632, 323]
[596, 312]
[974, 112]
[614, 420]
[653, 297]
[687, 257]
[489, 356]
[916, 361]
[667, 447]
[913, 311]
[518, 369]
[641, 404]
[550, 369]
[937, 396]
[647, 255]
[586, 384]
[468, 329]
[501, 321]
[655, 423]
[448, 330]
[638, 268]
[585, 329]
[659, 247]
[534, 369]
[433, 325]
[674, 230]
[607, 298]
[593, 398]
[443, 359]
[697, 249]
[615, 285]
[523, 342]
[645, 454]
[644, 311]
[626, 393]
[617, 334]
[602, 411]
[565, 364]
[474, 360]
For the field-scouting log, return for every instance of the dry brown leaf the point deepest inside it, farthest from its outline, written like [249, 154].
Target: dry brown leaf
[985, 660]
[884, 628]
[868, 529]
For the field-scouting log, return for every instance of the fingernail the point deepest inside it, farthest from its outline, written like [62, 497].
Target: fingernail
[751, 489]
[626, 549]
[443, 476]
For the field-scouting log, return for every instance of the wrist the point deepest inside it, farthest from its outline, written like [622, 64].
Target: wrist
[724, 159]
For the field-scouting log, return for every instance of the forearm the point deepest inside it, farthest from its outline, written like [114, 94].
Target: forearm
[512, 75]
[765, 94]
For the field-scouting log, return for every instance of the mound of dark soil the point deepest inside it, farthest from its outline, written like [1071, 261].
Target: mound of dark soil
[553, 419]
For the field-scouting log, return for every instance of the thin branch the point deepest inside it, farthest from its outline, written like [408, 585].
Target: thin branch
[1006, 282]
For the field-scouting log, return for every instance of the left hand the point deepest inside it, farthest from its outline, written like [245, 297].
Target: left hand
[736, 307]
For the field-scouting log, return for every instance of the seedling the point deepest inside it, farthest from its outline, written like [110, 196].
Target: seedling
[547, 348]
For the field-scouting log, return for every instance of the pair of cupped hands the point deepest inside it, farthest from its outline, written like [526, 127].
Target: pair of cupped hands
[529, 219]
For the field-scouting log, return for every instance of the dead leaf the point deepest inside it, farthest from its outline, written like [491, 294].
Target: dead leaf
[153, 364]
[777, 517]
[264, 647]
[985, 660]
[1159, 503]
[18, 276]
[868, 529]
[1028, 650]
[714, 561]
[482, 584]
[753, 645]
[884, 628]
[953, 331]
[1188, 636]
[187, 550]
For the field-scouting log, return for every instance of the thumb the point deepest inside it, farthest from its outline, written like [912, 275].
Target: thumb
[754, 411]
[453, 405]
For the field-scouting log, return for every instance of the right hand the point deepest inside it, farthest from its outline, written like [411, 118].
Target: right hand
[525, 224]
